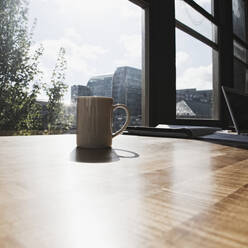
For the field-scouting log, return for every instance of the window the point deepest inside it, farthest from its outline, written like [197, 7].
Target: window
[240, 76]
[195, 40]
[205, 4]
[202, 39]
[193, 19]
[240, 51]
[83, 48]
[239, 18]
[240, 63]
[194, 78]
[186, 57]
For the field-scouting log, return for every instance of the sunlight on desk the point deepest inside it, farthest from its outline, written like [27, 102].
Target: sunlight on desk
[145, 192]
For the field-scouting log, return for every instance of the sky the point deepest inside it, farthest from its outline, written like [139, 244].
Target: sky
[193, 58]
[100, 35]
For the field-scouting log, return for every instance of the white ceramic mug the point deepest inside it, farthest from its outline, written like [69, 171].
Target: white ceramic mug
[94, 121]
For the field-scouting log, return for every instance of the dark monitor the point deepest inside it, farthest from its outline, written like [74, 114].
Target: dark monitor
[237, 104]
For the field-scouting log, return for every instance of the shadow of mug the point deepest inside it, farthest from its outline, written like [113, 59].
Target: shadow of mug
[106, 155]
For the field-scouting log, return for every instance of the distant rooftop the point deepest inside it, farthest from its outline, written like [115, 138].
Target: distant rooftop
[189, 89]
[128, 67]
[183, 109]
[193, 90]
[101, 77]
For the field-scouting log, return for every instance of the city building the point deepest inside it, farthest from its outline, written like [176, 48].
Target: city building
[79, 90]
[192, 103]
[126, 89]
[101, 85]
[183, 110]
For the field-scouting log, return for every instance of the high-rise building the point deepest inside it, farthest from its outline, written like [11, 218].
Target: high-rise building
[124, 86]
[101, 85]
[79, 90]
[126, 89]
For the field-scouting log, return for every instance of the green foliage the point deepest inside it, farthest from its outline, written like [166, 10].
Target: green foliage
[19, 72]
[55, 117]
[20, 77]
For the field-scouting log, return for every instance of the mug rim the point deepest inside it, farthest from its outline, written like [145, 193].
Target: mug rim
[95, 97]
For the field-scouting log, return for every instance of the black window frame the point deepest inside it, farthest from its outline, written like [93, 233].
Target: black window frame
[243, 44]
[159, 80]
[214, 46]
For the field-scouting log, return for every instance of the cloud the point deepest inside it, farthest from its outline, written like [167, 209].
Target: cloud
[80, 61]
[132, 47]
[203, 2]
[132, 44]
[182, 58]
[73, 49]
[95, 8]
[97, 35]
[72, 34]
[121, 62]
[130, 10]
[187, 15]
[196, 77]
[190, 17]
[80, 58]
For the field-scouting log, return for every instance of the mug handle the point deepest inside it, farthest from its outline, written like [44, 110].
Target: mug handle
[122, 106]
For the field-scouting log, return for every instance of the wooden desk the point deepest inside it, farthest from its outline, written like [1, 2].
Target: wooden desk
[146, 192]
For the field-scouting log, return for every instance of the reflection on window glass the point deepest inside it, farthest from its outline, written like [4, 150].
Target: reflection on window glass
[77, 48]
[246, 81]
[240, 77]
[239, 25]
[240, 51]
[205, 4]
[188, 16]
[194, 79]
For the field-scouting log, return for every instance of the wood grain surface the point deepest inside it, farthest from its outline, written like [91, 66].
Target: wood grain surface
[145, 192]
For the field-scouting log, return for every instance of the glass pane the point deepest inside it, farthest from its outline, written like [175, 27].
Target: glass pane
[78, 48]
[188, 16]
[194, 78]
[246, 81]
[240, 51]
[127, 89]
[205, 4]
[239, 24]
[240, 77]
